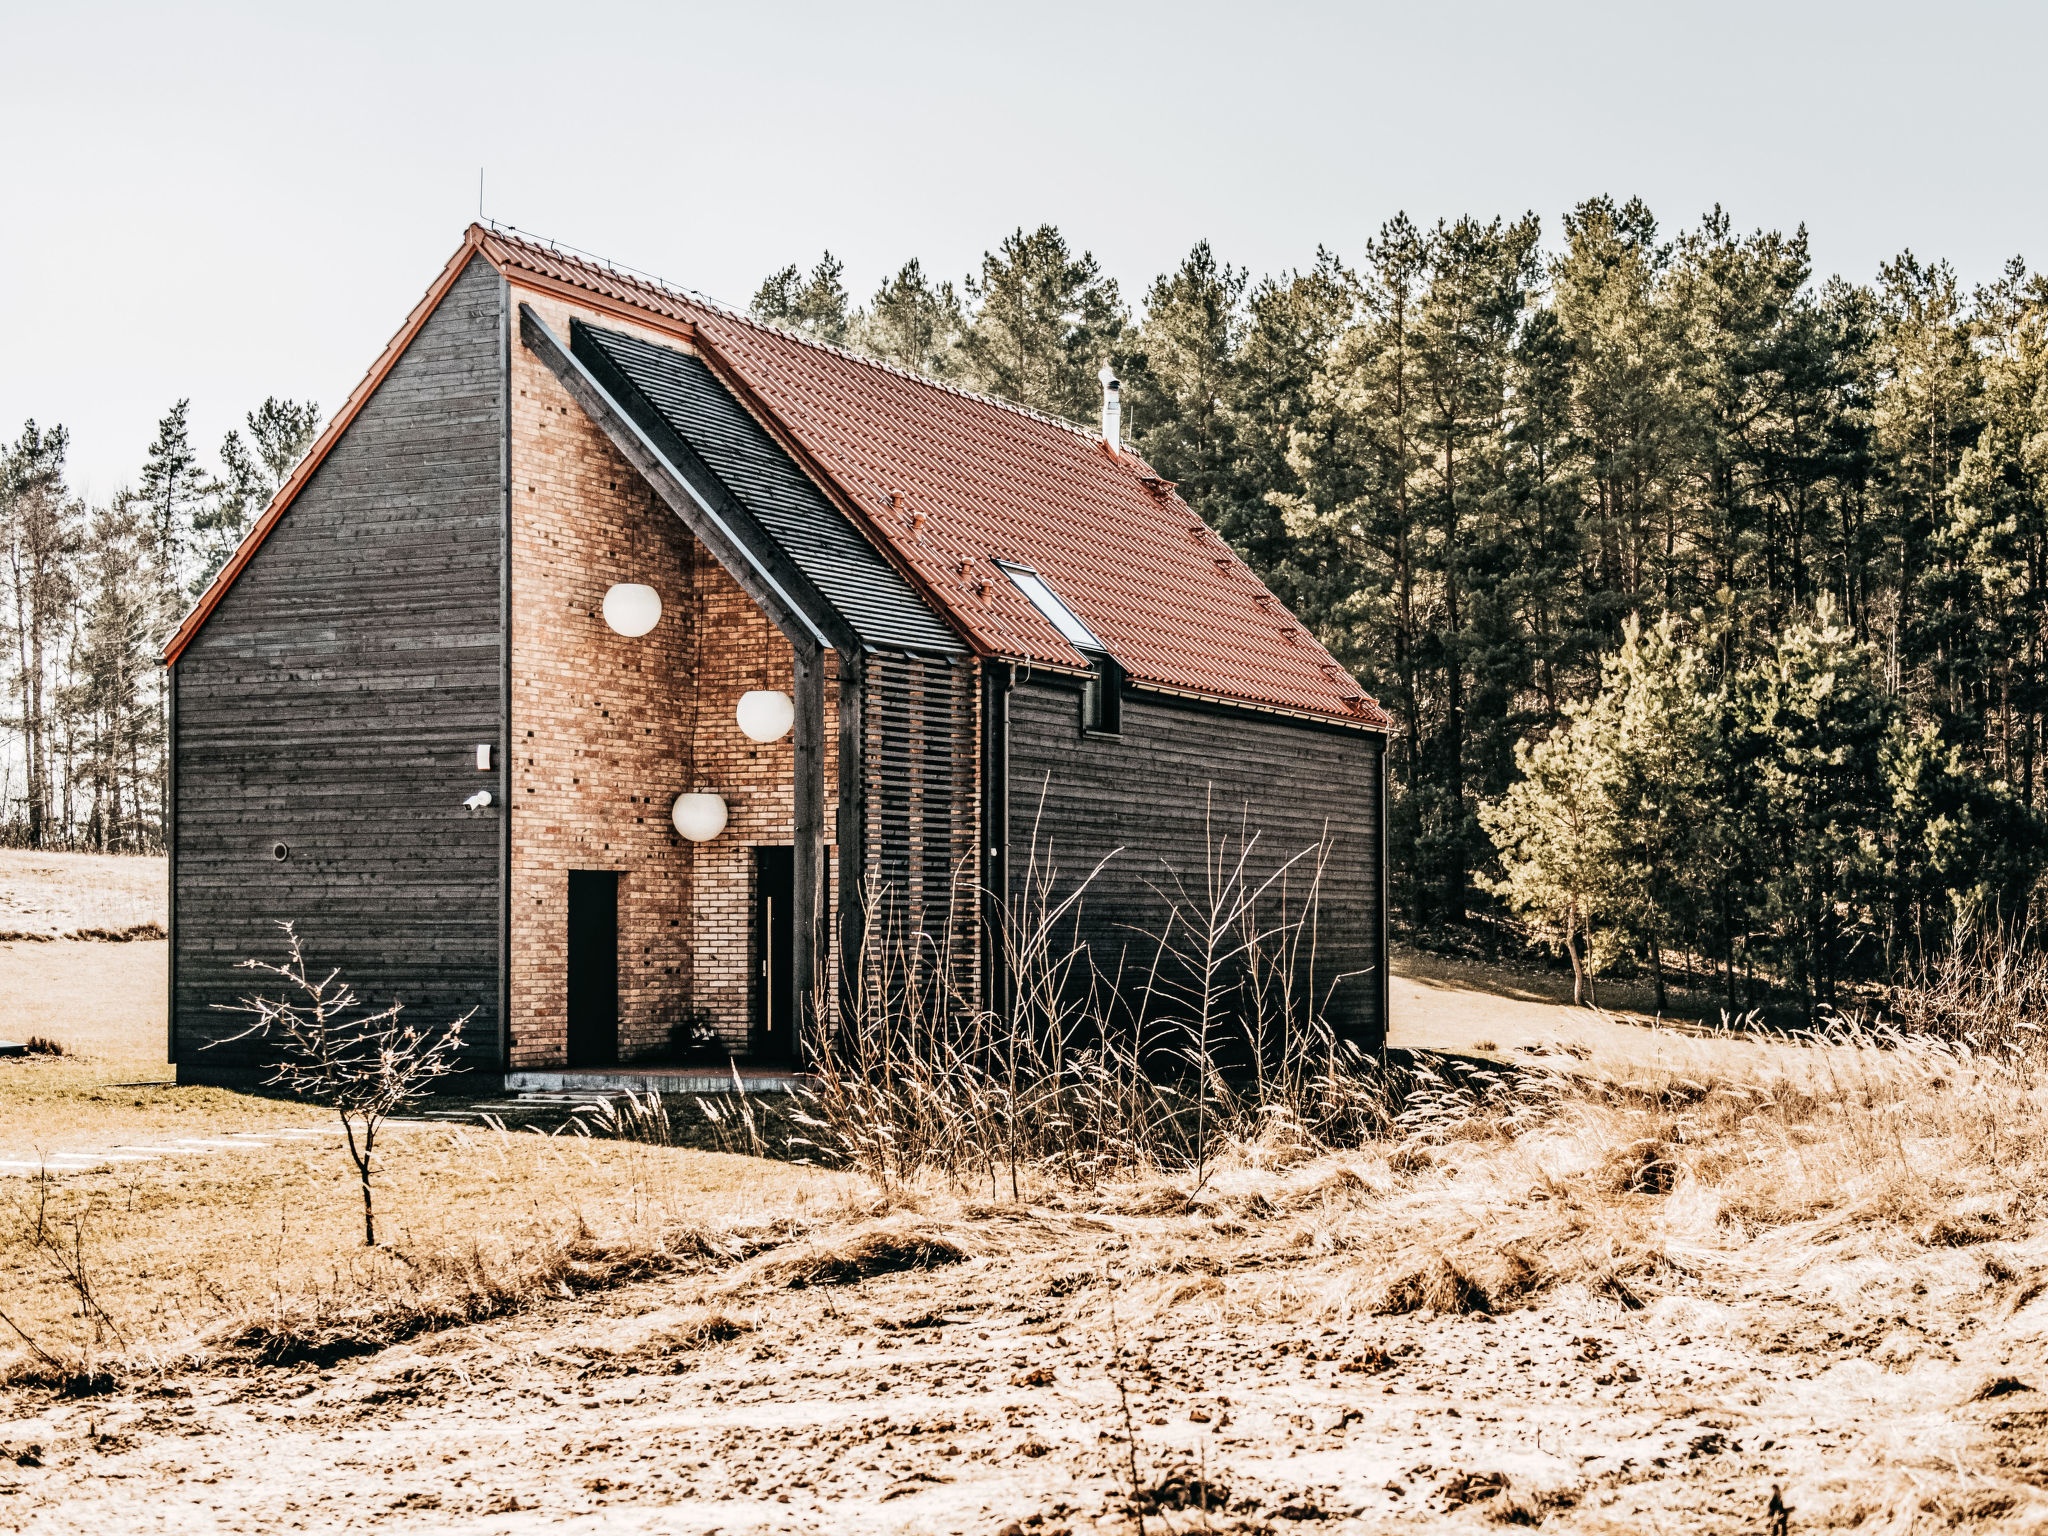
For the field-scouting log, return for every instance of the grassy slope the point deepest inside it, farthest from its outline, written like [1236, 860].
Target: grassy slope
[1800, 1268]
[58, 893]
[104, 1003]
[1844, 1295]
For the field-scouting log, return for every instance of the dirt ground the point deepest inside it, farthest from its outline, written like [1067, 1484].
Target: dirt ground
[1220, 1357]
[1846, 1301]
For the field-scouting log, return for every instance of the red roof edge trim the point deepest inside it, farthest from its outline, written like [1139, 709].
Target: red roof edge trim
[502, 247]
[590, 298]
[210, 599]
[750, 399]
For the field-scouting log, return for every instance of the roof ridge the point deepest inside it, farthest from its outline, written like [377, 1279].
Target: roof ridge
[662, 285]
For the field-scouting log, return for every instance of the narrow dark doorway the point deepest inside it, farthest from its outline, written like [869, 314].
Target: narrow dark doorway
[593, 967]
[774, 957]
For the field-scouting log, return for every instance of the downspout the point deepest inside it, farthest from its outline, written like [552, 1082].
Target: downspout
[851, 891]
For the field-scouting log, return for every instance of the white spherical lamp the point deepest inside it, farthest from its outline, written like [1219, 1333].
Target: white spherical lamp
[699, 815]
[631, 609]
[766, 714]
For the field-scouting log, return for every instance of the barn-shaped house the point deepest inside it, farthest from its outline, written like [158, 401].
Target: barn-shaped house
[614, 663]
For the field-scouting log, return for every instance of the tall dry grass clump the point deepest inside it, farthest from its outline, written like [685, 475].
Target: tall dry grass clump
[1988, 989]
[1213, 1042]
[1911, 1123]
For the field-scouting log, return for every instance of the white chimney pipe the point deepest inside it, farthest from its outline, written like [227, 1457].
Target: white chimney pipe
[1112, 409]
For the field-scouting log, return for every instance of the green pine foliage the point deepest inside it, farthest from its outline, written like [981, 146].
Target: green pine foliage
[1045, 321]
[1709, 598]
[252, 469]
[914, 323]
[814, 304]
[88, 597]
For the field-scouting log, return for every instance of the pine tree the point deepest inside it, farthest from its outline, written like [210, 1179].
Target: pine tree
[112, 671]
[1045, 323]
[1995, 544]
[1745, 421]
[172, 487]
[1809, 726]
[1607, 287]
[1601, 838]
[280, 432]
[913, 323]
[1466, 331]
[1554, 835]
[1355, 561]
[1925, 416]
[38, 541]
[1657, 719]
[1292, 323]
[815, 305]
[1180, 377]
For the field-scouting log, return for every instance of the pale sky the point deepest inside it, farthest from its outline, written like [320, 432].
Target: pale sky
[225, 201]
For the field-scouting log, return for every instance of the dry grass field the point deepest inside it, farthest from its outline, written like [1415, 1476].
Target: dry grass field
[1646, 1281]
[51, 894]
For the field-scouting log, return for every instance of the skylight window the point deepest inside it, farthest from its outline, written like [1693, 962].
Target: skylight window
[1057, 613]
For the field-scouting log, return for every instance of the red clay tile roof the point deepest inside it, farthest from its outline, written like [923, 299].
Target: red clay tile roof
[952, 481]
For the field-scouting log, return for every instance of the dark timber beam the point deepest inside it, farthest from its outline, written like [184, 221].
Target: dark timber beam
[809, 856]
[766, 550]
[996, 680]
[696, 500]
[171, 859]
[853, 842]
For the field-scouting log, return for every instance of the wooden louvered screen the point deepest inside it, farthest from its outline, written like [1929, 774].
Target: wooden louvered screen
[921, 772]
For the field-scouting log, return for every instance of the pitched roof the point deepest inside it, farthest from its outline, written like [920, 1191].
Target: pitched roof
[953, 481]
[662, 388]
[949, 482]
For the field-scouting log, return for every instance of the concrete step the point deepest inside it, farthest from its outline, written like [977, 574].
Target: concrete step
[609, 1080]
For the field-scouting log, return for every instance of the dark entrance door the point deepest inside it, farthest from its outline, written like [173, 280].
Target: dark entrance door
[774, 901]
[593, 967]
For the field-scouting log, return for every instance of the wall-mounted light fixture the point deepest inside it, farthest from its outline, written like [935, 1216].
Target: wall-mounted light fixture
[765, 714]
[699, 815]
[632, 609]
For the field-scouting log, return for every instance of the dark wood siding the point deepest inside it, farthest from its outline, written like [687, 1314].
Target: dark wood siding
[1169, 792]
[334, 702]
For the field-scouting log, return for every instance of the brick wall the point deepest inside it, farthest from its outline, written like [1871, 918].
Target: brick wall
[607, 731]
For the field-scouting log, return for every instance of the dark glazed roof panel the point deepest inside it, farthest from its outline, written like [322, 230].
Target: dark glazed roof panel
[681, 391]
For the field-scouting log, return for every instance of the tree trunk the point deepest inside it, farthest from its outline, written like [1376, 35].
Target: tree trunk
[362, 1162]
[1454, 691]
[1657, 970]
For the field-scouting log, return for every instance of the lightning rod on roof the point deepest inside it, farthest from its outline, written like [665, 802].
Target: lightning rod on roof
[1112, 409]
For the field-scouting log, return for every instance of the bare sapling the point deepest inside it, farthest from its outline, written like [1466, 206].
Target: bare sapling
[365, 1066]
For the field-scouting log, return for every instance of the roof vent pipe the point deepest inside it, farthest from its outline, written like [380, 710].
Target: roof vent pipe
[1112, 409]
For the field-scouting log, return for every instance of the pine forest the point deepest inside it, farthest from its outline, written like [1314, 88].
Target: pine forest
[1709, 596]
